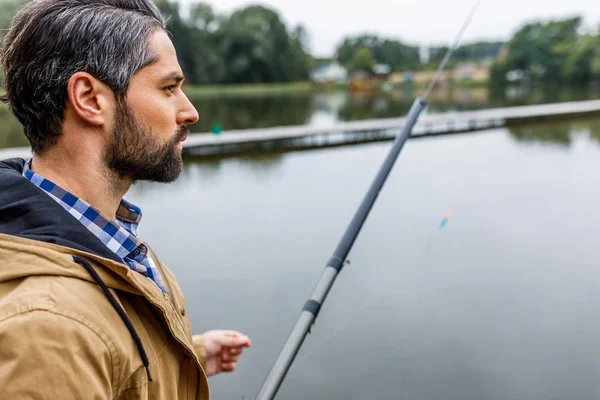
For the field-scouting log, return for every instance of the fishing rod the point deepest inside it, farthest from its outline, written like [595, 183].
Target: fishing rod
[336, 262]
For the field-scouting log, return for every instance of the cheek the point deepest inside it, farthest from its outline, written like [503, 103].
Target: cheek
[156, 112]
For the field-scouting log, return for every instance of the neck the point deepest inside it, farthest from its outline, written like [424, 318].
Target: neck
[85, 176]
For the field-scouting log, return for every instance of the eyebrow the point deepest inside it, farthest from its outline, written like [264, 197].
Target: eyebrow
[173, 76]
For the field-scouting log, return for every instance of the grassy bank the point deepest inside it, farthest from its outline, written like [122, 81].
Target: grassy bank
[235, 90]
[259, 89]
[469, 83]
[247, 89]
[302, 88]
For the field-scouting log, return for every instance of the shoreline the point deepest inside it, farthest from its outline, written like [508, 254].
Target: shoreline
[293, 88]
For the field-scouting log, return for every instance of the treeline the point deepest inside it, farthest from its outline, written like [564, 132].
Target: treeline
[362, 52]
[556, 51]
[254, 45]
[469, 52]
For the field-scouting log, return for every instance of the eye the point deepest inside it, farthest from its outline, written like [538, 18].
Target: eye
[169, 88]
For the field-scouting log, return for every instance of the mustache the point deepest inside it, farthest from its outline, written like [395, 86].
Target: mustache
[182, 133]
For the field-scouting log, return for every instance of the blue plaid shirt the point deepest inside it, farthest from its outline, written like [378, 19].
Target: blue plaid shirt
[119, 235]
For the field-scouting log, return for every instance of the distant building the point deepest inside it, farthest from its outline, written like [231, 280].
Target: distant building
[515, 75]
[382, 69]
[424, 54]
[331, 72]
[471, 71]
[401, 77]
[417, 77]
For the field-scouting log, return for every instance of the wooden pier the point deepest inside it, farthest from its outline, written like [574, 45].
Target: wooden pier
[294, 137]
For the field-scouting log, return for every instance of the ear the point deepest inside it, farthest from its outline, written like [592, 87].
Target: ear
[90, 99]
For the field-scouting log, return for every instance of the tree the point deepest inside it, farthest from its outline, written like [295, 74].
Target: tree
[578, 64]
[256, 47]
[206, 62]
[301, 37]
[8, 9]
[363, 60]
[202, 16]
[542, 49]
[478, 51]
[180, 35]
[436, 54]
[552, 51]
[251, 45]
[397, 55]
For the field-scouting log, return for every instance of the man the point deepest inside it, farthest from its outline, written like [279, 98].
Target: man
[87, 311]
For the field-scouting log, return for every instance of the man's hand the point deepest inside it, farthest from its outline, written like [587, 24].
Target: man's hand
[223, 349]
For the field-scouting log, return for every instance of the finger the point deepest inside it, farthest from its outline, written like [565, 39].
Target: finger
[231, 358]
[226, 354]
[239, 338]
[229, 353]
[228, 367]
[234, 339]
[235, 350]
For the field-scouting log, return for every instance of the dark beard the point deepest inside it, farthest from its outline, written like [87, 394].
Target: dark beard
[134, 153]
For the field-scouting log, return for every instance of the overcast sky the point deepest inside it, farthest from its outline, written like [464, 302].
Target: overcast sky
[413, 21]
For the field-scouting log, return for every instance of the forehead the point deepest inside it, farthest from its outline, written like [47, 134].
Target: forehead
[166, 57]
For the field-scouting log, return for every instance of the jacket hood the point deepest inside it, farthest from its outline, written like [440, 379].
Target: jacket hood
[39, 237]
[26, 211]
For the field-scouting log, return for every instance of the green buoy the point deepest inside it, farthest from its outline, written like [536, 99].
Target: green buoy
[216, 129]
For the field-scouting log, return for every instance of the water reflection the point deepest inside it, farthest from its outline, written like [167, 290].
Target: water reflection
[553, 133]
[326, 108]
[592, 127]
[547, 94]
[558, 133]
[252, 112]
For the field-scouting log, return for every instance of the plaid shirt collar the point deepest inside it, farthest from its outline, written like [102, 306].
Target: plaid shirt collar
[114, 235]
[119, 235]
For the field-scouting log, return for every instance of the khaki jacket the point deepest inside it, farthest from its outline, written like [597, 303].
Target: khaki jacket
[61, 338]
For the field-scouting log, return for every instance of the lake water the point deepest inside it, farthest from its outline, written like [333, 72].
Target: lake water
[502, 303]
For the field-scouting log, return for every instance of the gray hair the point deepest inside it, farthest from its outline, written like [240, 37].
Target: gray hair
[50, 40]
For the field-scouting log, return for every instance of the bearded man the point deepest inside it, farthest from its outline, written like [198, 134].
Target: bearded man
[87, 310]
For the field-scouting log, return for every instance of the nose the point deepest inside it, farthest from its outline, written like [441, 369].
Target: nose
[188, 114]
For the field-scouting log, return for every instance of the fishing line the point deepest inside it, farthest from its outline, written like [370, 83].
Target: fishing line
[381, 291]
[336, 262]
[451, 50]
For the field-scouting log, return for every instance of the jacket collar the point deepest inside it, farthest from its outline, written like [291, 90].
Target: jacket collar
[28, 212]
